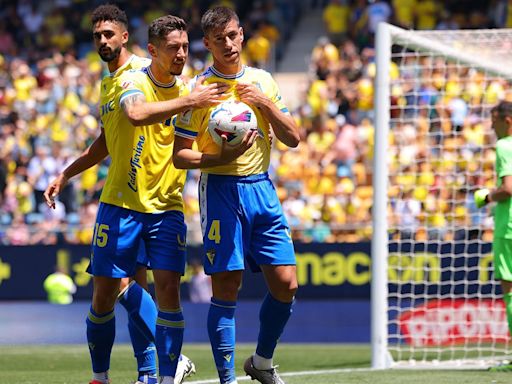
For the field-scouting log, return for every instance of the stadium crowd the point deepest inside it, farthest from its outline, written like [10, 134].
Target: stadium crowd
[49, 90]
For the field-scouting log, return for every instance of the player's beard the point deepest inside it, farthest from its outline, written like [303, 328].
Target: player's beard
[176, 69]
[111, 55]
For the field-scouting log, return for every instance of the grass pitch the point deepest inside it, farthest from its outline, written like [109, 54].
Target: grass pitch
[298, 363]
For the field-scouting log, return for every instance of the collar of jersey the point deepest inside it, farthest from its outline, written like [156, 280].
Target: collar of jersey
[112, 74]
[221, 75]
[147, 70]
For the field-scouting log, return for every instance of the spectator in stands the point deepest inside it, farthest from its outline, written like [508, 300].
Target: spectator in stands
[336, 20]
[200, 286]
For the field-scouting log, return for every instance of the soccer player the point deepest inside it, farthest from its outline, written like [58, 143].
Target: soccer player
[110, 36]
[241, 215]
[502, 243]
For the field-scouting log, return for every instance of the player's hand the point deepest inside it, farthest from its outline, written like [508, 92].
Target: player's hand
[251, 94]
[54, 189]
[481, 197]
[229, 153]
[206, 95]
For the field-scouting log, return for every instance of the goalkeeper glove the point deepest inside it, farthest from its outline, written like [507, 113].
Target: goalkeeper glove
[481, 197]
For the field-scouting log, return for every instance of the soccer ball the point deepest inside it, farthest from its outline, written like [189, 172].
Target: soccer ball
[233, 119]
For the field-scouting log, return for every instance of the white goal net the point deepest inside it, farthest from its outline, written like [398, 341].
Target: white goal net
[434, 299]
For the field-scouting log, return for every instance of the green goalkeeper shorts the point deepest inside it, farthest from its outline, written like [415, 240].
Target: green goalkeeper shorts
[502, 250]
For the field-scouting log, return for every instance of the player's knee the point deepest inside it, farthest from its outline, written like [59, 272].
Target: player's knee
[103, 303]
[226, 285]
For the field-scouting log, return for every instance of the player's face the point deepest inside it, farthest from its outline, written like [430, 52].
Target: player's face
[225, 44]
[170, 55]
[109, 38]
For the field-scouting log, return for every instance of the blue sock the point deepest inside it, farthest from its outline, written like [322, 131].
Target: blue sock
[141, 309]
[274, 315]
[143, 350]
[221, 329]
[170, 326]
[101, 331]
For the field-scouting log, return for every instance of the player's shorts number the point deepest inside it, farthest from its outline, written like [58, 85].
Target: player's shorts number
[100, 235]
[214, 232]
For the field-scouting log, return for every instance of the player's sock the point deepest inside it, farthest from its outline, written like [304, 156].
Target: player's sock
[274, 315]
[141, 309]
[166, 380]
[170, 326]
[221, 329]
[261, 362]
[145, 353]
[101, 377]
[101, 331]
[507, 297]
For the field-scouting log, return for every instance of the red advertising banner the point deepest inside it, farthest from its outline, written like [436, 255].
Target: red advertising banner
[454, 321]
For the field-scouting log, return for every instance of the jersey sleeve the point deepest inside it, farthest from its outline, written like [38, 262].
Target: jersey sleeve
[129, 83]
[187, 124]
[275, 94]
[504, 157]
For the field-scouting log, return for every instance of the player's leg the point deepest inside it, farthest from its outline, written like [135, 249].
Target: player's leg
[502, 250]
[223, 241]
[271, 249]
[113, 256]
[141, 324]
[101, 326]
[221, 322]
[166, 247]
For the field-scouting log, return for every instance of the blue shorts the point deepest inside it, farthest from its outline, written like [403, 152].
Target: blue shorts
[120, 233]
[242, 219]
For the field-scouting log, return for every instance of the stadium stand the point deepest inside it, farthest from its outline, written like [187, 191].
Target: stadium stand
[49, 89]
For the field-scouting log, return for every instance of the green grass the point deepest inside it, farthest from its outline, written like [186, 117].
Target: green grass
[69, 364]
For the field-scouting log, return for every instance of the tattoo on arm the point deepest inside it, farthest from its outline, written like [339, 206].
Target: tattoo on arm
[131, 100]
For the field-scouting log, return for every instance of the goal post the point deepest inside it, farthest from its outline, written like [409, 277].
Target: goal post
[434, 300]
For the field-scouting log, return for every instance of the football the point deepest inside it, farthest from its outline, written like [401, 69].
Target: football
[233, 119]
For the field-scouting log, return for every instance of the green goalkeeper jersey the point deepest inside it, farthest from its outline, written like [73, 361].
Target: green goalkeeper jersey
[503, 211]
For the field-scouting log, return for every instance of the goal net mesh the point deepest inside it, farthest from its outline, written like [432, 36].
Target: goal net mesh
[444, 306]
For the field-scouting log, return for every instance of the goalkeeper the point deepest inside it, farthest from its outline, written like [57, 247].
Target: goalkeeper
[502, 243]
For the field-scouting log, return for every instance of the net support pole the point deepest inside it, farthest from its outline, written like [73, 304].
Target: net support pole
[379, 248]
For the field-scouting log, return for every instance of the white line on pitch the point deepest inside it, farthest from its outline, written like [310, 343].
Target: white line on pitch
[301, 373]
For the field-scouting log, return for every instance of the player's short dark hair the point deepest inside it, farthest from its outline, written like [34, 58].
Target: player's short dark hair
[161, 27]
[503, 108]
[217, 17]
[109, 12]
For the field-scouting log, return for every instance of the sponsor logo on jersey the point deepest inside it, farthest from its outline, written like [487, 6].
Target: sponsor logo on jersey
[107, 107]
[135, 163]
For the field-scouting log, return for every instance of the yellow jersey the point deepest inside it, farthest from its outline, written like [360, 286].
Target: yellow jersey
[193, 124]
[141, 176]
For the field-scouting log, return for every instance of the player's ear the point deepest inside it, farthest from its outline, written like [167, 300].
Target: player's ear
[206, 43]
[125, 35]
[241, 31]
[152, 50]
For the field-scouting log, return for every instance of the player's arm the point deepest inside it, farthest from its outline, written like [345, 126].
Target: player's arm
[185, 157]
[283, 124]
[141, 112]
[503, 192]
[94, 154]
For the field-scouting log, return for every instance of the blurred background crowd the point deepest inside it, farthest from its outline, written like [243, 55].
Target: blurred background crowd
[49, 91]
